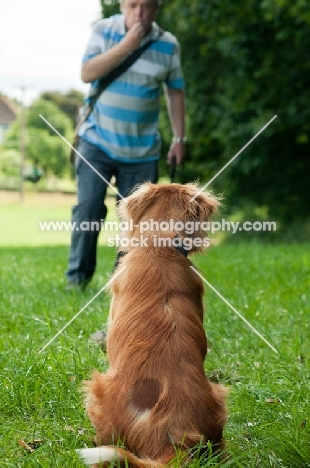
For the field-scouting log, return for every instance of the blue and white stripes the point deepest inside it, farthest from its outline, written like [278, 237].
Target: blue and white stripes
[124, 122]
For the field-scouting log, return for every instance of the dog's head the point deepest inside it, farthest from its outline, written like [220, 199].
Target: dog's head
[169, 210]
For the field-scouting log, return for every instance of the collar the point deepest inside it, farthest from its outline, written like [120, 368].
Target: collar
[178, 245]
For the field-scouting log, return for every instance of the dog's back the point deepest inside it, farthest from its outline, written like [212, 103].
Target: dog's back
[155, 396]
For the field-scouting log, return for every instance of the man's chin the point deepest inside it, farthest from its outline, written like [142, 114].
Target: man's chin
[147, 28]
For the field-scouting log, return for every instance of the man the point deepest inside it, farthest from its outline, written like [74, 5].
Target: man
[120, 137]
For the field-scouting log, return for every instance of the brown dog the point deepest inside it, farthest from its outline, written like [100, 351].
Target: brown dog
[155, 397]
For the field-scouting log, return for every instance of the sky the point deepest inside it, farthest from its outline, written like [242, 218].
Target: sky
[42, 43]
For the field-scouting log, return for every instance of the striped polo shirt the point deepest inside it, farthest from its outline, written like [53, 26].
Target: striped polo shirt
[124, 121]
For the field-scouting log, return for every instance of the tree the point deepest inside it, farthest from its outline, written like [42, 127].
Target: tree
[109, 8]
[243, 63]
[69, 103]
[44, 148]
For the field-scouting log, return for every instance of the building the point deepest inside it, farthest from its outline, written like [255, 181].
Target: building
[8, 113]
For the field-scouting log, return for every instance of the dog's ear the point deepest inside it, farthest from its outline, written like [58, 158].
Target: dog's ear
[207, 205]
[136, 204]
[203, 204]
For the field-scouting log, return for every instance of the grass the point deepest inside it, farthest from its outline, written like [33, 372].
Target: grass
[20, 221]
[269, 401]
[41, 404]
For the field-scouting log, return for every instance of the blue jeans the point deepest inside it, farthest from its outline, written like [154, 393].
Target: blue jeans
[91, 193]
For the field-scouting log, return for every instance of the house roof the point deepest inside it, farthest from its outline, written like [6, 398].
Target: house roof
[8, 111]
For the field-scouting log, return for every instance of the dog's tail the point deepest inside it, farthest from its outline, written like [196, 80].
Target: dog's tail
[106, 454]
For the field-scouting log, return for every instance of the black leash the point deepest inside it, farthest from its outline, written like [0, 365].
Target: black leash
[173, 169]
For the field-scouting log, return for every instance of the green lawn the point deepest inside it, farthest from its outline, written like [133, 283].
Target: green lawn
[41, 404]
[19, 222]
[269, 403]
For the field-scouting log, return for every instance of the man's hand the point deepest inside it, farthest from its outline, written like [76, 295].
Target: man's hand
[177, 151]
[134, 36]
[102, 64]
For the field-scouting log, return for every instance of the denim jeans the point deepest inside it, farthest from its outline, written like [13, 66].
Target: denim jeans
[91, 193]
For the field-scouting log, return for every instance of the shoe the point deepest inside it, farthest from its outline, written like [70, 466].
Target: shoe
[100, 337]
[77, 285]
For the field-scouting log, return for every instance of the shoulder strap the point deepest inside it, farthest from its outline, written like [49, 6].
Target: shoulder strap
[105, 81]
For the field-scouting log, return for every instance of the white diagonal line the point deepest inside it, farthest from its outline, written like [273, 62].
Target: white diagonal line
[233, 158]
[80, 311]
[81, 156]
[235, 310]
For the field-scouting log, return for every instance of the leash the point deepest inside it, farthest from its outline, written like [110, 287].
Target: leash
[173, 169]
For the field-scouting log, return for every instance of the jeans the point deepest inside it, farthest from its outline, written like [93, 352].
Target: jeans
[91, 193]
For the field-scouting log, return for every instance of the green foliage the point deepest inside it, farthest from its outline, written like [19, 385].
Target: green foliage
[109, 8]
[50, 152]
[68, 103]
[244, 62]
[44, 148]
[9, 162]
[51, 112]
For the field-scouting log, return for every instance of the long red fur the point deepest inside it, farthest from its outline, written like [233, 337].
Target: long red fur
[155, 396]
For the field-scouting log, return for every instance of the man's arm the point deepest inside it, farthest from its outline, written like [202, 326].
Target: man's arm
[176, 109]
[102, 64]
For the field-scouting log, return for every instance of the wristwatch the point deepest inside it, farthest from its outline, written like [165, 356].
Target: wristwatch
[177, 139]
